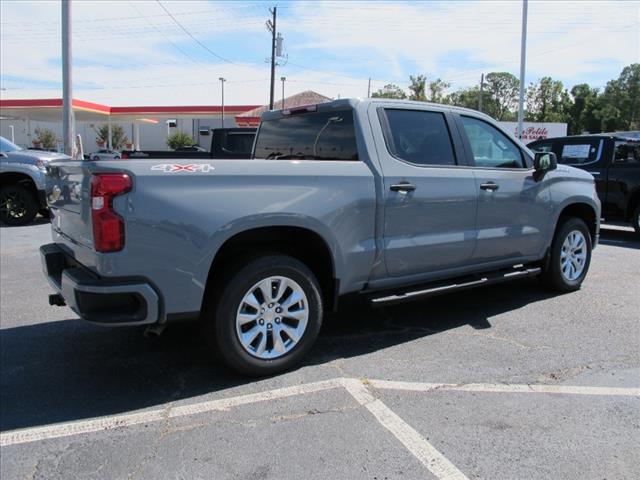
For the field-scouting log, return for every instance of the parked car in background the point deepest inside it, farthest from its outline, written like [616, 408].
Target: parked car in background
[391, 199]
[105, 155]
[614, 161]
[226, 143]
[22, 182]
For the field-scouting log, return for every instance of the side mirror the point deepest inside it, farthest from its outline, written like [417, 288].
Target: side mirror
[545, 161]
[4, 155]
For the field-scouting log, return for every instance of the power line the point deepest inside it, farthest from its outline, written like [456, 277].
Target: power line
[194, 38]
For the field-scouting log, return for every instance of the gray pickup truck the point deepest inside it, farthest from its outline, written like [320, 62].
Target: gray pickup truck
[22, 182]
[395, 200]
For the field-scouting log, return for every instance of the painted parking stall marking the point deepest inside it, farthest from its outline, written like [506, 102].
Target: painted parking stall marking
[359, 389]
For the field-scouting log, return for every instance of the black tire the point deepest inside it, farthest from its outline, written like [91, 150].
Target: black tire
[220, 315]
[553, 276]
[635, 220]
[18, 206]
[116, 157]
[96, 158]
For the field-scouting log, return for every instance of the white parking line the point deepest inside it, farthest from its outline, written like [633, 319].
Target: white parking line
[109, 423]
[426, 453]
[410, 438]
[504, 388]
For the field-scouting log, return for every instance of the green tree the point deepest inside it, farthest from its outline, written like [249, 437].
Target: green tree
[503, 88]
[390, 91]
[179, 140]
[547, 101]
[582, 112]
[418, 88]
[437, 90]
[118, 137]
[47, 138]
[619, 104]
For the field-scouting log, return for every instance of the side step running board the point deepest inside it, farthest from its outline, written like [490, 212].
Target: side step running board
[463, 283]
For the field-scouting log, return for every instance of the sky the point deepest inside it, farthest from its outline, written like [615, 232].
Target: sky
[173, 52]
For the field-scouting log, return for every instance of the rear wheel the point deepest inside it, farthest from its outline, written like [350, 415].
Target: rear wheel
[267, 316]
[18, 206]
[570, 256]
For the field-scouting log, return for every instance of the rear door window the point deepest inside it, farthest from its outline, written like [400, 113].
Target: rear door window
[579, 151]
[627, 151]
[417, 136]
[308, 136]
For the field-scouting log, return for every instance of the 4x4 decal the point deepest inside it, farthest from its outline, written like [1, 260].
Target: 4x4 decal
[177, 167]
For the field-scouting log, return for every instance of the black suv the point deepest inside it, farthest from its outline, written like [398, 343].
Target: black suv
[613, 160]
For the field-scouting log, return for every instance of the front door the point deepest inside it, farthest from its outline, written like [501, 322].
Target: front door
[513, 205]
[429, 193]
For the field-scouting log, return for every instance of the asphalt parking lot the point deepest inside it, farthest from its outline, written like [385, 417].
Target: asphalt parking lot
[506, 382]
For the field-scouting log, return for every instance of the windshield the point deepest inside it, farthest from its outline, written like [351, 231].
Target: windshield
[7, 146]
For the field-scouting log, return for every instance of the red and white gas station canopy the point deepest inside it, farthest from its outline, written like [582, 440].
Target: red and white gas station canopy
[50, 110]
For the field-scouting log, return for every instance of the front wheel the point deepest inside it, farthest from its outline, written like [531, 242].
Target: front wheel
[18, 206]
[570, 256]
[267, 316]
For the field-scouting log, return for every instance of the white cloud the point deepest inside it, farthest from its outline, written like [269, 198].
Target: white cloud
[343, 42]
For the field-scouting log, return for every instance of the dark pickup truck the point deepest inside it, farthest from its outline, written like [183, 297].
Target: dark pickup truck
[225, 143]
[614, 161]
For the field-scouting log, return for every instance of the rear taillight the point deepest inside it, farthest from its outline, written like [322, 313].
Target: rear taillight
[108, 226]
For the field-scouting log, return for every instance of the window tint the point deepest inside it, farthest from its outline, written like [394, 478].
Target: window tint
[418, 137]
[627, 151]
[308, 136]
[239, 143]
[490, 147]
[580, 151]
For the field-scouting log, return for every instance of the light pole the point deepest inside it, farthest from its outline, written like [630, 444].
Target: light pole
[68, 120]
[222, 80]
[523, 52]
[283, 79]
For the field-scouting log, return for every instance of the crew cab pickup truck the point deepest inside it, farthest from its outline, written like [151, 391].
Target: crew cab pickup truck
[395, 200]
[614, 161]
[226, 143]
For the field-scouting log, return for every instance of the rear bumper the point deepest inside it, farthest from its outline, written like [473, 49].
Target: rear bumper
[99, 300]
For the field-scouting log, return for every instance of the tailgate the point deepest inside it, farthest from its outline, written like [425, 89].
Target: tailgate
[68, 190]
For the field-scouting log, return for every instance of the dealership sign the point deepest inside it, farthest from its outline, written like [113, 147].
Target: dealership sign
[534, 131]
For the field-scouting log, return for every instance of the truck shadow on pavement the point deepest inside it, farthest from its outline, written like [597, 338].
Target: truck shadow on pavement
[619, 238]
[69, 370]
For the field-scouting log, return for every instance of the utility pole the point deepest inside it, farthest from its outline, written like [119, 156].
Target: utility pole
[272, 25]
[523, 51]
[369, 89]
[68, 121]
[222, 80]
[481, 88]
[283, 79]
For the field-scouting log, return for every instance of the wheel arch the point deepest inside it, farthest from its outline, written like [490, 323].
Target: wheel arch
[302, 243]
[584, 211]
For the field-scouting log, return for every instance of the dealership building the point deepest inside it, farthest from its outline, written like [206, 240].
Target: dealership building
[147, 127]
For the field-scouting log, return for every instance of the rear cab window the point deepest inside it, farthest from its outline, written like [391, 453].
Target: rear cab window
[315, 135]
[627, 151]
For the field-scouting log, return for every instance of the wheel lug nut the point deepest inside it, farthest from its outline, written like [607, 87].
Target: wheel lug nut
[278, 310]
[271, 305]
[277, 319]
[261, 322]
[269, 326]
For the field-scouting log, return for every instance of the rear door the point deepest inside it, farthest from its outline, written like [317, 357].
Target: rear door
[429, 192]
[513, 206]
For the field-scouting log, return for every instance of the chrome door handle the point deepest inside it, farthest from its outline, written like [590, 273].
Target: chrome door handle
[491, 186]
[403, 187]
